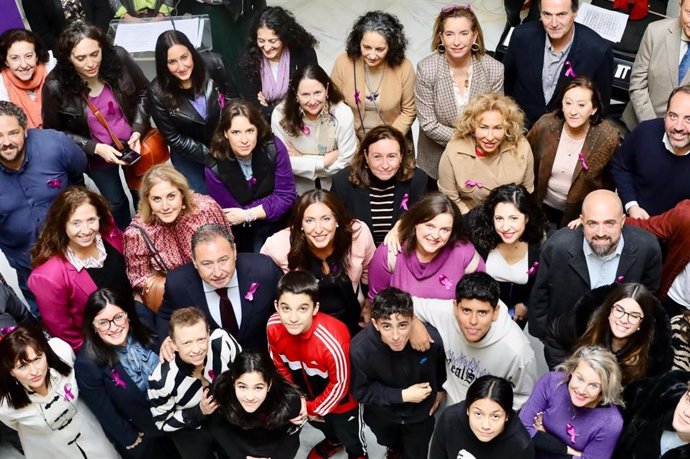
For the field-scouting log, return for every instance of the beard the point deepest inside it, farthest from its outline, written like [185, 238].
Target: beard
[606, 246]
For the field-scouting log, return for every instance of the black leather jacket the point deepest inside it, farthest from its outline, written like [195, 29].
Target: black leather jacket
[184, 130]
[68, 112]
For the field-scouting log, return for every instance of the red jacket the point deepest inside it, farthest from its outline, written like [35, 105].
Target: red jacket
[318, 361]
[673, 228]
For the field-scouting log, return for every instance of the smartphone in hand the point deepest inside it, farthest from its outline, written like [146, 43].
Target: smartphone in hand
[130, 156]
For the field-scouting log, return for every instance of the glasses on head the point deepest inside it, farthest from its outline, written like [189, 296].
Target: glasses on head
[454, 7]
[618, 312]
[103, 325]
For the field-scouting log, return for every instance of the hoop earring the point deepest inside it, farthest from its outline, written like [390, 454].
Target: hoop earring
[474, 47]
[441, 48]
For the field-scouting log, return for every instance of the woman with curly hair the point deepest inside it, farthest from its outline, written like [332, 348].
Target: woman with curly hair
[278, 46]
[78, 251]
[325, 240]
[252, 179]
[488, 150]
[374, 75]
[24, 65]
[627, 319]
[457, 70]
[316, 127]
[572, 148]
[92, 74]
[256, 404]
[384, 166]
[508, 228]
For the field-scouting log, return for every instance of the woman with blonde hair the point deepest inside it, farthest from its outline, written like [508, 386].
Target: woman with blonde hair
[455, 72]
[158, 238]
[574, 411]
[488, 150]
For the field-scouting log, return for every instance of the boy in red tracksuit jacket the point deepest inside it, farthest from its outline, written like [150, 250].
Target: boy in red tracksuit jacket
[312, 350]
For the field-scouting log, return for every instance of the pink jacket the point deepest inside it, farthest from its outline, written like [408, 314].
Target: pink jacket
[61, 293]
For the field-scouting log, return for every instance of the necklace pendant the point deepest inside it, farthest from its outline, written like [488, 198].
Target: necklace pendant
[373, 97]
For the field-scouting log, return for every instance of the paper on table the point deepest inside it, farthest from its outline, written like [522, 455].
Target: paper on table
[141, 36]
[609, 24]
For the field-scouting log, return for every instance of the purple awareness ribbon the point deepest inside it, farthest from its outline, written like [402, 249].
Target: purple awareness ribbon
[119, 382]
[570, 73]
[445, 282]
[405, 201]
[252, 290]
[67, 388]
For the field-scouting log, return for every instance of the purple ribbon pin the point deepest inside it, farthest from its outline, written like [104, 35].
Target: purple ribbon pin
[533, 270]
[252, 181]
[54, 183]
[570, 430]
[619, 279]
[119, 382]
[581, 158]
[252, 290]
[570, 73]
[305, 129]
[405, 200]
[221, 101]
[67, 388]
[212, 375]
[357, 99]
[445, 282]
[472, 184]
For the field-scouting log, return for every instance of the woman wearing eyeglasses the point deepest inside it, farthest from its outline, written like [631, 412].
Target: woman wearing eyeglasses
[113, 368]
[39, 398]
[78, 251]
[627, 319]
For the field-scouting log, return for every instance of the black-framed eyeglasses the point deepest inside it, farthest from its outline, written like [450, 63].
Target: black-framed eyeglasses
[618, 312]
[103, 325]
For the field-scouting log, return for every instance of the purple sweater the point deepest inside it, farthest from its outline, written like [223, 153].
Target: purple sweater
[275, 204]
[596, 429]
[435, 279]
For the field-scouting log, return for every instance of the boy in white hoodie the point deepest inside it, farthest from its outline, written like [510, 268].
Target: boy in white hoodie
[479, 338]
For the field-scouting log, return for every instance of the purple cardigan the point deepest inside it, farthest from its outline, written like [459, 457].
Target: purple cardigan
[435, 279]
[275, 204]
[61, 293]
[596, 429]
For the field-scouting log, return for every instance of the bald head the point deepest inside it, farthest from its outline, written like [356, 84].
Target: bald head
[602, 221]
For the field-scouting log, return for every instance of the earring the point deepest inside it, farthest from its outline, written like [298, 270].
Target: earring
[441, 48]
[474, 47]
[336, 225]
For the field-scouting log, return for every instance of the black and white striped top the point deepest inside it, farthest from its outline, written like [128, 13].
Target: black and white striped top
[381, 199]
[175, 394]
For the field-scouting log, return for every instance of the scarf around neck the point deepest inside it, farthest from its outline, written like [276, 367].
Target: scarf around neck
[275, 88]
[19, 90]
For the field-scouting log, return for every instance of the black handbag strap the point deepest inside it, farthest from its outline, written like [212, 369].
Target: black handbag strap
[152, 248]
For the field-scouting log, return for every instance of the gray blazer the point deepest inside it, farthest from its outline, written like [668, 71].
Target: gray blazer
[435, 101]
[655, 72]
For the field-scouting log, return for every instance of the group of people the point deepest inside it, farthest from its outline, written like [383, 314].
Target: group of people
[301, 261]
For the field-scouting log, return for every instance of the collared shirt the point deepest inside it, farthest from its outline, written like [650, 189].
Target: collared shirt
[553, 64]
[246, 167]
[683, 45]
[213, 300]
[669, 147]
[680, 288]
[602, 270]
[91, 262]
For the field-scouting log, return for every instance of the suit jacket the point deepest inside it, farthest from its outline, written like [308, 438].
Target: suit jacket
[183, 287]
[563, 277]
[356, 199]
[600, 144]
[590, 55]
[655, 72]
[436, 106]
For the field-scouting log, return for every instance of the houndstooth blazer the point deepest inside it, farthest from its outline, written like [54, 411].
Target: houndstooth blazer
[436, 107]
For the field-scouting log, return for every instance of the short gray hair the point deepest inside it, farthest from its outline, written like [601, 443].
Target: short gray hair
[209, 232]
[10, 109]
[605, 365]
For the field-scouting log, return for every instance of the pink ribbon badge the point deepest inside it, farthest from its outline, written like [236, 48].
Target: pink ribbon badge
[212, 375]
[54, 183]
[473, 184]
[619, 279]
[221, 101]
[305, 130]
[570, 73]
[252, 181]
[252, 290]
[67, 389]
[581, 158]
[405, 200]
[4, 331]
[119, 382]
[357, 99]
[445, 282]
[570, 430]
[533, 270]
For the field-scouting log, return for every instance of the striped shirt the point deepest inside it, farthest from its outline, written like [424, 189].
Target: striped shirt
[175, 394]
[381, 199]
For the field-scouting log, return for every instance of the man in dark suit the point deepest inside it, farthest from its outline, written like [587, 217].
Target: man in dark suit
[601, 252]
[235, 291]
[542, 56]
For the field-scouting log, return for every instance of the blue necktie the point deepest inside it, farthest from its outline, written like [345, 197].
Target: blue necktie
[684, 65]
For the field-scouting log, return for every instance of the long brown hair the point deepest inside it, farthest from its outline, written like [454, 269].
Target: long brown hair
[53, 239]
[427, 208]
[13, 349]
[359, 172]
[633, 358]
[300, 253]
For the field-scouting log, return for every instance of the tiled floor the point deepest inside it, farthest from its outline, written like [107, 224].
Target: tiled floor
[330, 21]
